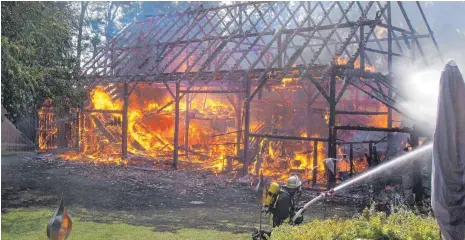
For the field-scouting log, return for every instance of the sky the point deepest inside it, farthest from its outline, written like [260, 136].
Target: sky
[420, 83]
[447, 20]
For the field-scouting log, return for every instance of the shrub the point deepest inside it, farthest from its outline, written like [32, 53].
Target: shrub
[402, 224]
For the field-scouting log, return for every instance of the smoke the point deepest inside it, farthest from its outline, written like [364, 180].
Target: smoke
[419, 85]
[418, 82]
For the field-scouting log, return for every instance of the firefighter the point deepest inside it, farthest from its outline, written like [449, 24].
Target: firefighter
[281, 202]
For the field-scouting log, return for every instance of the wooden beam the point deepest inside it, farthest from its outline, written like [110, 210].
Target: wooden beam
[176, 127]
[124, 127]
[271, 136]
[373, 129]
[360, 113]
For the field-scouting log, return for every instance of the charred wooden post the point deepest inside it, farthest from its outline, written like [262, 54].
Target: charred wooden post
[176, 127]
[124, 127]
[351, 159]
[186, 130]
[389, 22]
[315, 162]
[417, 185]
[335, 148]
[246, 126]
[375, 156]
[337, 145]
[331, 181]
[238, 126]
[370, 154]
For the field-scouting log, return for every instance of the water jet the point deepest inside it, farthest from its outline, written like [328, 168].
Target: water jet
[394, 162]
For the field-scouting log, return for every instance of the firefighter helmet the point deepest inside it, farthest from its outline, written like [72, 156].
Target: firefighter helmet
[293, 182]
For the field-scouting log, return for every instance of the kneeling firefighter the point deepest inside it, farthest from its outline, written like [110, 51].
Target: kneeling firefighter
[281, 204]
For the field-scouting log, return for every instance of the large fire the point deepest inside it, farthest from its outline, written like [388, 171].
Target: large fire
[150, 132]
[212, 136]
[279, 160]
[46, 131]
[212, 133]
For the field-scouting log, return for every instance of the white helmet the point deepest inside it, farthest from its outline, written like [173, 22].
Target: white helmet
[293, 182]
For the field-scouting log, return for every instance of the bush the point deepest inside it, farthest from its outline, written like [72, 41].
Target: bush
[402, 224]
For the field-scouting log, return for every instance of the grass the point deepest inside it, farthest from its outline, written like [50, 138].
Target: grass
[29, 224]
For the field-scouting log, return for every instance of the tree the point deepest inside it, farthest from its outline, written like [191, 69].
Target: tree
[104, 21]
[37, 56]
[80, 29]
[45, 43]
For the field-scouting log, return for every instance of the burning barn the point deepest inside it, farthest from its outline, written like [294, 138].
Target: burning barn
[272, 87]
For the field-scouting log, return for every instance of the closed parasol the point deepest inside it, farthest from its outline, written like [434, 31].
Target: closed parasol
[448, 177]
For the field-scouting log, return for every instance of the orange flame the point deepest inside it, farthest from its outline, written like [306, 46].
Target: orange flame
[46, 130]
[378, 120]
[150, 134]
[212, 135]
[340, 60]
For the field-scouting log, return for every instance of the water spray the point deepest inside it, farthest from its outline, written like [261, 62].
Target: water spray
[376, 170]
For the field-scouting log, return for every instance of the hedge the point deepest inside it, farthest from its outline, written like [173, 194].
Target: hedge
[402, 224]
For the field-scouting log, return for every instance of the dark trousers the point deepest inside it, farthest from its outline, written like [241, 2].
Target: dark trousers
[277, 221]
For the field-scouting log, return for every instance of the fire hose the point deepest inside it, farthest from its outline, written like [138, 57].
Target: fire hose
[331, 191]
[299, 213]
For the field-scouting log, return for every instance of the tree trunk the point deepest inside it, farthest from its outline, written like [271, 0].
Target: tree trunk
[79, 40]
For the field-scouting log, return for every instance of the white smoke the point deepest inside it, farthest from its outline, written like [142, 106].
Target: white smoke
[419, 85]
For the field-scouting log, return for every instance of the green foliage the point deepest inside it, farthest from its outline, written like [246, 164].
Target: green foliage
[40, 43]
[403, 224]
[37, 57]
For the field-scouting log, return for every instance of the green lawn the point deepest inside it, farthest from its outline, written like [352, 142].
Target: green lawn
[28, 224]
